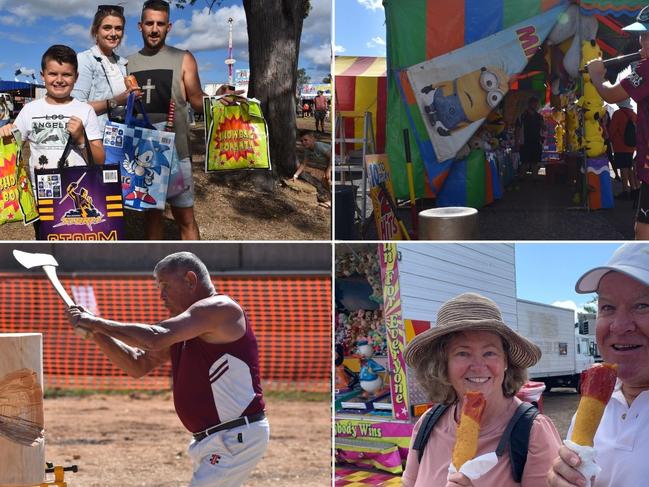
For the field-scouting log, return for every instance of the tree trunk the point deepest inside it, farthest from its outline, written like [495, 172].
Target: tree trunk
[274, 31]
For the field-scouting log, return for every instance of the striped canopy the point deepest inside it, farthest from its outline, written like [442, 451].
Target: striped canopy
[371, 67]
[361, 86]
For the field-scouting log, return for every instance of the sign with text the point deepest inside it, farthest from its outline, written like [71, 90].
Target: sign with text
[236, 135]
[377, 169]
[394, 329]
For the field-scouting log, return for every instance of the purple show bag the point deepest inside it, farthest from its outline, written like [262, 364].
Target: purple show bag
[79, 202]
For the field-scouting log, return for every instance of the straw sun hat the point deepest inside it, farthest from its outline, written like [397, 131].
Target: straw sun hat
[473, 312]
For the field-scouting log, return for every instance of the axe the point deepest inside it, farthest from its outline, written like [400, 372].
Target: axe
[49, 264]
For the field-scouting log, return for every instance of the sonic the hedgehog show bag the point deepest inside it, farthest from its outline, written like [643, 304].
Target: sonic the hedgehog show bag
[17, 202]
[145, 157]
[79, 202]
[236, 135]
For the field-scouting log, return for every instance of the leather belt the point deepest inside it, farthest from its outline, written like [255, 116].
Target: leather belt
[235, 423]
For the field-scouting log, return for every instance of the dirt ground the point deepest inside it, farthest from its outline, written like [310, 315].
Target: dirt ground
[226, 209]
[560, 405]
[137, 440]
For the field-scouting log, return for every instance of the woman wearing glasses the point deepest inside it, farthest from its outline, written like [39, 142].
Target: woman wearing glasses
[102, 71]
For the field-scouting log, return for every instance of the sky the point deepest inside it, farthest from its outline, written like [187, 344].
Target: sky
[547, 272]
[29, 27]
[350, 40]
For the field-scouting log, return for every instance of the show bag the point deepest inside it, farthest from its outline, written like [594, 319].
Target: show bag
[17, 202]
[79, 202]
[146, 158]
[236, 135]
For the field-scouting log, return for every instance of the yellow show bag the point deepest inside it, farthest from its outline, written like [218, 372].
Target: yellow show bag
[236, 135]
[17, 202]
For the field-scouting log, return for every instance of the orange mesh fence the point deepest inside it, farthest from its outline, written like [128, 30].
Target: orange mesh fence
[291, 317]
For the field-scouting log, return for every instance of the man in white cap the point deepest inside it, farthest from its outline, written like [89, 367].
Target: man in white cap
[636, 86]
[622, 331]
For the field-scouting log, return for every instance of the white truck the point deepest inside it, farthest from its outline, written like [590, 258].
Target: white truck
[566, 352]
[432, 273]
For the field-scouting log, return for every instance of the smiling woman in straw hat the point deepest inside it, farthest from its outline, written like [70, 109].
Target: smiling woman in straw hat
[472, 349]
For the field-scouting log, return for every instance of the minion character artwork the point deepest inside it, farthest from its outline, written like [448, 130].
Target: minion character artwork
[452, 105]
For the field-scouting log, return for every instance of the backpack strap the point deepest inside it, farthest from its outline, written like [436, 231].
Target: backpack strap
[426, 428]
[516, 438]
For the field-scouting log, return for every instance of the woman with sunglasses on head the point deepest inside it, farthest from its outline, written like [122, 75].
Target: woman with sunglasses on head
[102, 71]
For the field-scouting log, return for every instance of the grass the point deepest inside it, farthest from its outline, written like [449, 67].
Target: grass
[301, 396]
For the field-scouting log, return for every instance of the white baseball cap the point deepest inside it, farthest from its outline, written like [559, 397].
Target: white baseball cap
[631, 259]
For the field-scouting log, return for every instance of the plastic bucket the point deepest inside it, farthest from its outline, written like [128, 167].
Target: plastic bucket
[532, 392]
[448, 223]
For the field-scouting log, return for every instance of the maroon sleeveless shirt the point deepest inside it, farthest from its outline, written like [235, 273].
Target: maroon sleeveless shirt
[215, 383]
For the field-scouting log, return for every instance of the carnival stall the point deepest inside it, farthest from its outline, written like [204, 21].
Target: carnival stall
[381, 305]
[385, 295]
[501, 53]
[373, 417]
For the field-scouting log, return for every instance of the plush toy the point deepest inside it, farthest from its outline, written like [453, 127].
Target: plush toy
[565, 27]
[574, 142]
[592, 105]
[345, 378]
[587, 32]
[371, 381]
[559, 129]
[364, 264]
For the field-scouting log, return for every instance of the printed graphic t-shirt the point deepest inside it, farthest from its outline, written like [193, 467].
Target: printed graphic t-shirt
[636, 85]
[43, 125]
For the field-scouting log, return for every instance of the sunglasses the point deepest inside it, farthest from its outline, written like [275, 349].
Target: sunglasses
[109, 8]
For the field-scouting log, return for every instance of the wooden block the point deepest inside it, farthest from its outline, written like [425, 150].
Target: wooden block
[21, 466]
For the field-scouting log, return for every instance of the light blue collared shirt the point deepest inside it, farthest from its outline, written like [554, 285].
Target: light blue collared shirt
[93, 84]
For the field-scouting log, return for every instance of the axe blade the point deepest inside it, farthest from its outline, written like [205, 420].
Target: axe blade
[30, 260]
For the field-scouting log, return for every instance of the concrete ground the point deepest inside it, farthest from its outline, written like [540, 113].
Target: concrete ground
[537, 208]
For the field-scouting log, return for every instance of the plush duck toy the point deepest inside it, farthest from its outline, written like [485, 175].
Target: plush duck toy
[371, 381]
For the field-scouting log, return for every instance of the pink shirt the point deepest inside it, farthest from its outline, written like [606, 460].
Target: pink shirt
[433, 471]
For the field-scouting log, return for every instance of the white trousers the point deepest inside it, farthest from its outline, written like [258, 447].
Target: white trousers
[226, 458]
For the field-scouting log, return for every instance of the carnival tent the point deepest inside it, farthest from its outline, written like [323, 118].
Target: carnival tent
[361, 86]
[413, 37]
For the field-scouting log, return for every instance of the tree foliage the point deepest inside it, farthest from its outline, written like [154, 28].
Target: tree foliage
[189, 3]
[302, 77]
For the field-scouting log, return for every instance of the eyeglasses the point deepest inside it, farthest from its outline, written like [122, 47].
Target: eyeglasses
[156, 4]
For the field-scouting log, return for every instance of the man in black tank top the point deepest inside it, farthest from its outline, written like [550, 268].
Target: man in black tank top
[165, 73]
[215, 366]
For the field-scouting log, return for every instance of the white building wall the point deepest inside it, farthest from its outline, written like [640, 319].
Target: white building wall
[430, 274]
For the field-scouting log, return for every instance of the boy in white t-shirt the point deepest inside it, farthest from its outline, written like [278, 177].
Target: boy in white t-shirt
[47, 123]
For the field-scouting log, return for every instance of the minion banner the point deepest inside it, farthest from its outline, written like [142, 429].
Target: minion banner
[236, 135]
[455, 92]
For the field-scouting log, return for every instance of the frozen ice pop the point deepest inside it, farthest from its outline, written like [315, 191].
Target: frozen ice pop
[466, 441]
[597, 385]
